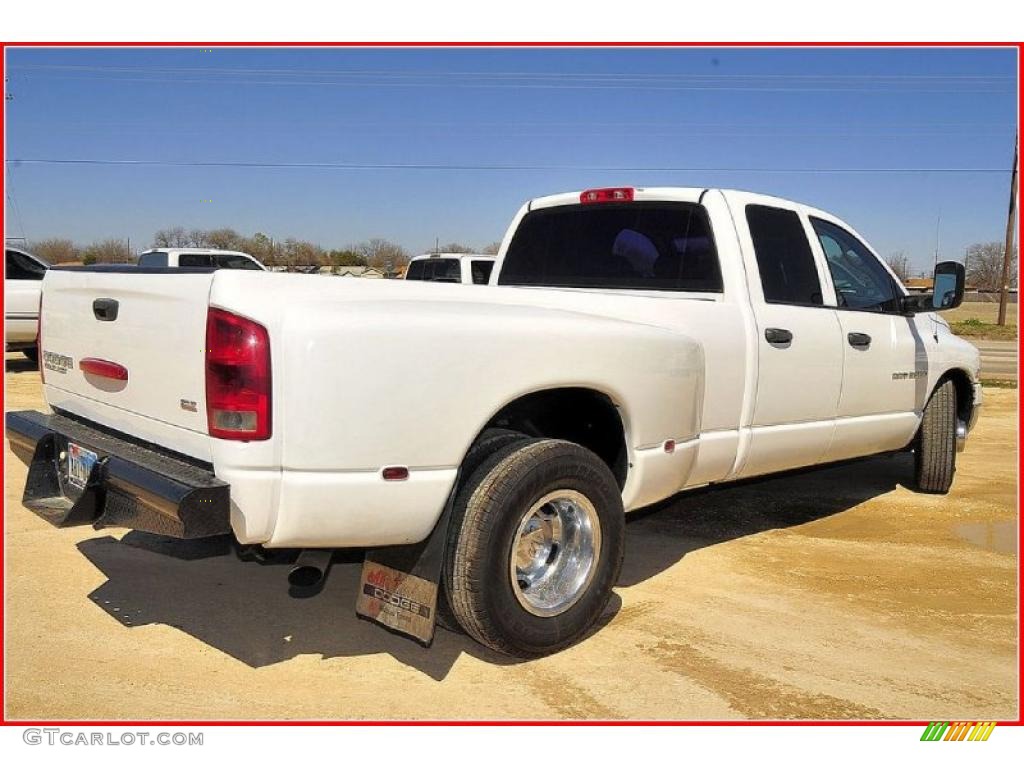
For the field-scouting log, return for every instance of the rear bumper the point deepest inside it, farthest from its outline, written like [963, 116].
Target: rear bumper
[131, 485]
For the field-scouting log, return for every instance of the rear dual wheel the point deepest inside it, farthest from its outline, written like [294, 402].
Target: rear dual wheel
[535, 545]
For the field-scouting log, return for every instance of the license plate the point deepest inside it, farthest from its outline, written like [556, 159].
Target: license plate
[80, 462]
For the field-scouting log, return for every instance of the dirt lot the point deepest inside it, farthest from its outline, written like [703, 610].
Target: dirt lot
[829, 594]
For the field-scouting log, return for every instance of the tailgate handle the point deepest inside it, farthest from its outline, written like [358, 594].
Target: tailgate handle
[105, 309]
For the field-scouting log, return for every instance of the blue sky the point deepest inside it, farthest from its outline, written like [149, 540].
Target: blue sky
[568, 114]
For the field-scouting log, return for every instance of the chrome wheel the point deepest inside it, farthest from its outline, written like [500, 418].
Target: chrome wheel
[555, 552]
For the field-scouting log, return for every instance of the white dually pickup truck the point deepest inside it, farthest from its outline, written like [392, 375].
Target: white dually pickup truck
[485, 442]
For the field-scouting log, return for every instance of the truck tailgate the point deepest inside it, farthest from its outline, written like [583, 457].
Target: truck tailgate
[124, 348]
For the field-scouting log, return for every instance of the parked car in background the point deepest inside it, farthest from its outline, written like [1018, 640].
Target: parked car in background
[174, 258]
[23, 274]
[466, 268]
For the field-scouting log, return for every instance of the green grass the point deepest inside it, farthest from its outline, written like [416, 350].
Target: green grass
[977, 320]
[973, 328]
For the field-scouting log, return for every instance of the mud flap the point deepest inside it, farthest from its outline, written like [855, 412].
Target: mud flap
[399, 586]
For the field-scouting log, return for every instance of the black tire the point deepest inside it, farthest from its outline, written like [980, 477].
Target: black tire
[32, 353]
[935, 444]
[489, 442]
[488, 511]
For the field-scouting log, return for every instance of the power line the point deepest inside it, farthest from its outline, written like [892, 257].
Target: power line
[235, 121]
[581, 86]
[354, 166]
[516, 75]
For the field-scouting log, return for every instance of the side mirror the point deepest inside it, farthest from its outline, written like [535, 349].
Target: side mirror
[948, 285]
[947, 290]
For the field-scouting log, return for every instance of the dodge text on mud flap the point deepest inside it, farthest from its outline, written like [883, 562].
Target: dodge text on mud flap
[398, 601]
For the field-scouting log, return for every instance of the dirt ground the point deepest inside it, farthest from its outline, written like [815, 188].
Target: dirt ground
[836, 593]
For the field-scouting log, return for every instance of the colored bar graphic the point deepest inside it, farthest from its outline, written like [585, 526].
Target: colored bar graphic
[958, 731]
[934, 731]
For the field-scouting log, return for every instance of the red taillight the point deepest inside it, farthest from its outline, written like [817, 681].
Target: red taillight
[237, 377]
[39, 340]
[607, 195]
[103, 368]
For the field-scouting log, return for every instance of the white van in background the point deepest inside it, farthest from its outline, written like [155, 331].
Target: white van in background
[174, 258]
[466, 268]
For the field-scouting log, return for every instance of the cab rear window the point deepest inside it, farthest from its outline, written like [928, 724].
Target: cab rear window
[662, 246]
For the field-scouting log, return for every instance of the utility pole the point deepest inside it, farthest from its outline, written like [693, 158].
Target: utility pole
[1011, 225]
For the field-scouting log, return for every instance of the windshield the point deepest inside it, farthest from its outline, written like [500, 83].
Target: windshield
[650, 246]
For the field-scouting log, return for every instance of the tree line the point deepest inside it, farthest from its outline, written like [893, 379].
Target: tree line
[290, 252]
[983, 261]
[61, 250]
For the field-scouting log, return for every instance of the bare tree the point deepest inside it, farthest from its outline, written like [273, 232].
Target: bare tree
[455, 248]
[900, 264]
[109, 251]
[224, 238]
[175, 237]
[302, 253]
[985, 266]
[347, 257]
[493, 248]
[383, 253]
[56, 250]
[260, 246]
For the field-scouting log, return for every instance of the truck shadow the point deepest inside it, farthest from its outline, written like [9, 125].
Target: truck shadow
[661, 535]
[19, 364]
[243, 608]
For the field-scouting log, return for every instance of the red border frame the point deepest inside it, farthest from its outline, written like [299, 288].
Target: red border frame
[1018, 46]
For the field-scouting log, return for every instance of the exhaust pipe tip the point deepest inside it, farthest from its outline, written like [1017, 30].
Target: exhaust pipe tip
[305, 576]
[309, 573]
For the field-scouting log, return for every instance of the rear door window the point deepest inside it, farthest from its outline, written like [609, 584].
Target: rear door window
[662, 246]
[195, 260]
[784, 258]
